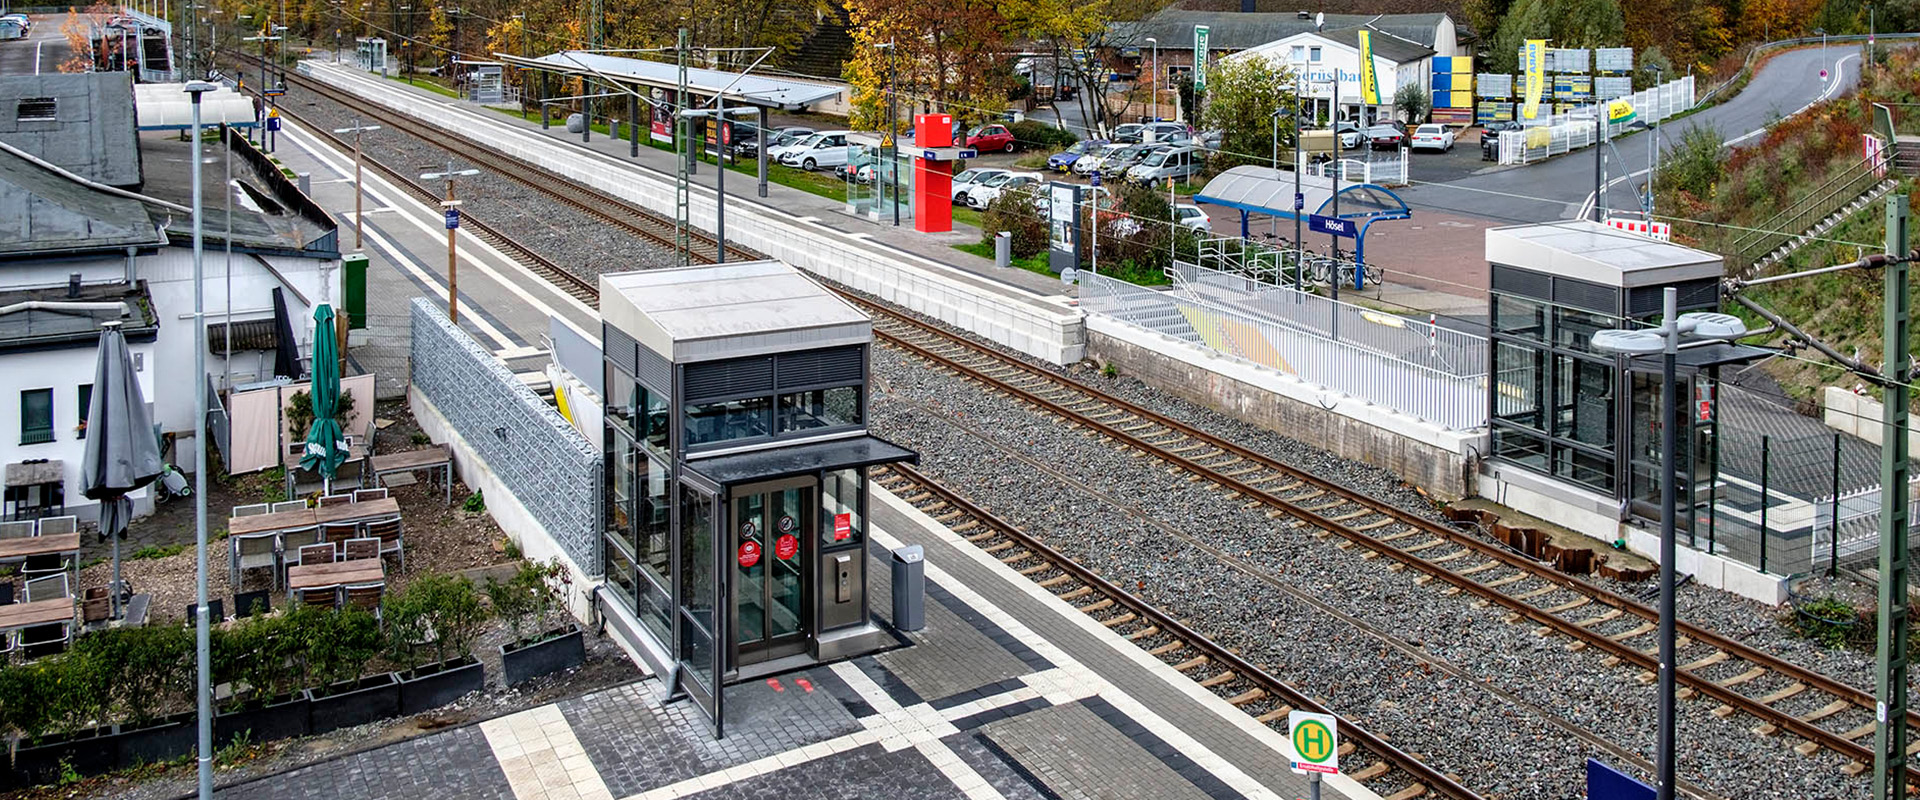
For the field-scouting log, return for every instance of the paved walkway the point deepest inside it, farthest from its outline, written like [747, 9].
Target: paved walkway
[1018, 697]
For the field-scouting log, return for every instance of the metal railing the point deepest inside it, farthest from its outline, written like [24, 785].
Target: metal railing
[1845, 186]
[1384, 172]
[1561, 133]
[1415, 368]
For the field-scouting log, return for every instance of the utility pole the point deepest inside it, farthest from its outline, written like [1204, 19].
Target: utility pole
[203, 688]
[1890, 668]
[1299, 246]
[682, 235]
[893, 125]
[1599, 137]
[452, 207]
[358, 188]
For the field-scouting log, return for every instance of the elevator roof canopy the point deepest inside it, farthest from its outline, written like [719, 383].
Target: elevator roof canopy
[1589, 251]
[754, 90]
[719, 311]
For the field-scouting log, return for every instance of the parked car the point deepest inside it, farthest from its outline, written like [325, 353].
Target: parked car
[1167, 133]
[746, 138]
[1191, 216]
[1089, 163]
[1063, 161]
[1349, 134]
[1490, 138]
[1433, 137]
[1129, 133]
[824, 149]
[992, 188]
[991, 138]
[1115, 167]
[972, 178]
[1179, 163]
[1210, 139]
[1386, 136]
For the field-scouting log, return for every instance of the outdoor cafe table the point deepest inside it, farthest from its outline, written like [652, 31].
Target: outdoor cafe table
[27, 615]
[51, 545]
[306, 517]
[336, 573]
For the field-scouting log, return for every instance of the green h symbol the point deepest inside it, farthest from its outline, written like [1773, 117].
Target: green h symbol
[1314, 742]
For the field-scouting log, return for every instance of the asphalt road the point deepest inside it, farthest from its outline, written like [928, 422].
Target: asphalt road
[1560, 188]
[45, 46]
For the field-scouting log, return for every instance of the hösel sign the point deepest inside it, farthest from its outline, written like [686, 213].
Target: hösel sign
[1332, 225]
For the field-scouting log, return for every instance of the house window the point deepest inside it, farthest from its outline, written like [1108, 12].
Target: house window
[1313, 54]
[86, 405]
[33, 109]
[36, 416]
[1299, 52]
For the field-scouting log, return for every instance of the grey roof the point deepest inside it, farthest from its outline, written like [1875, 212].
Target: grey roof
[1384, 45]
[262, 220]
[1265, 190]
[44, 213]
[805, 459]
[1589, 251]
[47, 326]
[1237, 30]
[754, 90]
[729, 310]
[92, 132]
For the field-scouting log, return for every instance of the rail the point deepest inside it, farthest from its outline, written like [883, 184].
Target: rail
[1835, 193]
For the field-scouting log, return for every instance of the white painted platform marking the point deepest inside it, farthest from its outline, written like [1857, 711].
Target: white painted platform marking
[542, 758]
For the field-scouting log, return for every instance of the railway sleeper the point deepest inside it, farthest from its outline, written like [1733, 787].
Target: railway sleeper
[1827, 710]
[1529, 595]
[1247, 696]
[1717, 657]
[995, 548]
[1055, 580]
[1454, 556]
[1743, 677]
[1356, 514]
[1167, 648]
[1785, 692]
[1076, 594]
[1120, 619]
[1410, 793]
[1570, 604]
[1216, 680]
[1017, 557]
[1370, 771]
[1192, 663]
[1143, 633]
[1644, 628]
[1277, 714]
[1036, 569]
[1098, 605]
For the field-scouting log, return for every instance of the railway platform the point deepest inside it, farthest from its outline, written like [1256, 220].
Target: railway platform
[1007, 692]
[1022, 310]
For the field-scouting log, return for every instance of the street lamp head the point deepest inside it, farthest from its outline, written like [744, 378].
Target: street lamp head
[196, 87]
[1633, 343]
[1712, 325]
[1819, 31]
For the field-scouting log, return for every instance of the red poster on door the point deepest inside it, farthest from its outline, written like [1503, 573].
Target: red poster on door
[842, 526]
[786, 546]
[749, 554]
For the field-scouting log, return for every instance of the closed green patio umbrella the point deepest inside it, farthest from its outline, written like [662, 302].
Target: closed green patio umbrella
[326, 443]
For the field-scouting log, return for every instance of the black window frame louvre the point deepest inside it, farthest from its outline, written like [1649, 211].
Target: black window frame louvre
[28, 432]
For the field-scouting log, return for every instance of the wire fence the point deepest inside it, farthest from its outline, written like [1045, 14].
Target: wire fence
[1790, 504]
[1561, 133]
[1422, 370]
[1386, 171]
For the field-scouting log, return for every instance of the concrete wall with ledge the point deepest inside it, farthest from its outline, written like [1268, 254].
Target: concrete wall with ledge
[1593, 515]
[1859, 416]
[1433, 458]
[1045, 328]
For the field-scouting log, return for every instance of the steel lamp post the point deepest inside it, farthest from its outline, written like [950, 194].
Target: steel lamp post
[1666, 341]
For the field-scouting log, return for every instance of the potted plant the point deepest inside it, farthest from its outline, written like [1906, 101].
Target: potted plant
[264, 655]
[300, 411]
[528, 598]
[340, 645]
[441, 614]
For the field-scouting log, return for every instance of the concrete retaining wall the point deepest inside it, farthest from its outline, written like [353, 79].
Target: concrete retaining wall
[1043, 328]
[540, 477]
[1437, 460]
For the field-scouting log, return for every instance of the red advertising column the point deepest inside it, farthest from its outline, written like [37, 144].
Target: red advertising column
[932, 179]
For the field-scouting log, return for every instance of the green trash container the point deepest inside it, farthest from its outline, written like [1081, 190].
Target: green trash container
[355, 265]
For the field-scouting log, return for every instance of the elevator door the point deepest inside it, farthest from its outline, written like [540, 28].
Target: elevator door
[773, 534]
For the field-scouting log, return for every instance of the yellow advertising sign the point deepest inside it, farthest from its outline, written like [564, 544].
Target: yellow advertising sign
[1534, 67]
[1620, 112]
[1369, 82]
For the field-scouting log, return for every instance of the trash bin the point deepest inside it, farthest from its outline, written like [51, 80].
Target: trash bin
[909, 588]
[1003, 249]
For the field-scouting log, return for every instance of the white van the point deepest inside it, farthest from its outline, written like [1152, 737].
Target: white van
[823, 149]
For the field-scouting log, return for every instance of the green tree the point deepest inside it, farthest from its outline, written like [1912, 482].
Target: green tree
[1569, 23]
[1411, 101]
[1243, 95]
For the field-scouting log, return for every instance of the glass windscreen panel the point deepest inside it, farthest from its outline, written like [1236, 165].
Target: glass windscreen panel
[837, 407]
[728, 420]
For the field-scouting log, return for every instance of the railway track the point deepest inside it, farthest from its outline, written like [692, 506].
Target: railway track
[1365, 756]
[1587, 615]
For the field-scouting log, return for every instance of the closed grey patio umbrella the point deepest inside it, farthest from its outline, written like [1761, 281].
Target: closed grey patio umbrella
[121, 453]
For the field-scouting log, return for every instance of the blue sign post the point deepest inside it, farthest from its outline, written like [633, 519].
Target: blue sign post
[1606, 783]
[453, 218]
[1332, 225]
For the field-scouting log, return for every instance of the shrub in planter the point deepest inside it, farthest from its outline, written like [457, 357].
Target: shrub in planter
[339, 645]
[52, 709]
[439, 615]
[158, 739]
[353, 702]
[530, 596]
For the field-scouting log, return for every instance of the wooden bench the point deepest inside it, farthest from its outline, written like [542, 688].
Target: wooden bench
[439, 457]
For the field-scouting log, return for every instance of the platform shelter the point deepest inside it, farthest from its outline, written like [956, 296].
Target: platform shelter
[736, 479]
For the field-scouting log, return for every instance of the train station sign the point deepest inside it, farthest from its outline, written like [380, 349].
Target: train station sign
[1334, 225]
[1316, 742]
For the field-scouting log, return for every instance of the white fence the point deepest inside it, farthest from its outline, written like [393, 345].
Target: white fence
[1415, 368]
[1390, 171]
[1560, 133]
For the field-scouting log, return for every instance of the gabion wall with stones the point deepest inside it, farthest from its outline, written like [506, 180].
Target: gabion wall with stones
[553, 470]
